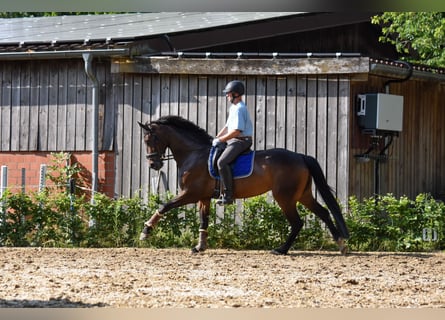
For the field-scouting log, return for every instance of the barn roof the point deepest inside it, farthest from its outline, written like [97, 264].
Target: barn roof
[139, 34]
[120, 27]
[160, 31]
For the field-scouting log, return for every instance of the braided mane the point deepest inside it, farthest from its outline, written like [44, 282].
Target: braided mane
[187, 127]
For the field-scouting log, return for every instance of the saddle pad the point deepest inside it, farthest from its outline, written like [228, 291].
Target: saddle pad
[242, 167]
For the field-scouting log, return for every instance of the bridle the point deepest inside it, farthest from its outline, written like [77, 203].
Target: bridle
[156, 156]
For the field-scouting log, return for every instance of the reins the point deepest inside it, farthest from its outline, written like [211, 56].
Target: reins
[163, 157]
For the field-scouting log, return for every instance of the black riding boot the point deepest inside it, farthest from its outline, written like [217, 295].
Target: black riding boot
[227, 180]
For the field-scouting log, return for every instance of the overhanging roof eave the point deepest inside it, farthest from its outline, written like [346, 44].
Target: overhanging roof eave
[63, 54]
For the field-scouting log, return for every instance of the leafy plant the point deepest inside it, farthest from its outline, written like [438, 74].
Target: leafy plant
[56, 220]
[61, 171]
[385, 223]
[59, 218]
[419, 36]
[15, 226]
[263, 224]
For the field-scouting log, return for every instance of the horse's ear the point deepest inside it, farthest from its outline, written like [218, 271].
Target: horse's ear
[144, 126]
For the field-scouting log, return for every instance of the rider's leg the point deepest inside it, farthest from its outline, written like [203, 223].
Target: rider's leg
[233, 149]
[225, 173]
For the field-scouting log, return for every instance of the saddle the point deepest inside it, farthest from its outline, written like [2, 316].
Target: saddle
[242, 167]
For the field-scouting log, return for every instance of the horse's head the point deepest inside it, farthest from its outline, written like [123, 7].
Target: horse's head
[155, 146]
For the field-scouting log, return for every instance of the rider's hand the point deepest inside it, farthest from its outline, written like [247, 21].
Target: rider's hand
[215, 142]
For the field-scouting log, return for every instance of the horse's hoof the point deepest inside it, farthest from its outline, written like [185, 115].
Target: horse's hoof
[279, 252]
[145, 232]
[196, 250]
[342, 246]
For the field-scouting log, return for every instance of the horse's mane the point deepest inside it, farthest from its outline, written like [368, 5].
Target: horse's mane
[189, 128]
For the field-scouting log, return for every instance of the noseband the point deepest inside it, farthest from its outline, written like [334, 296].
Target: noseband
[157, 156]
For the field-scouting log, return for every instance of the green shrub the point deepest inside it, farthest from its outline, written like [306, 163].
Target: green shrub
[385, 223]
[57, 218]
[15, 226]
[263, 224]
[113, 223]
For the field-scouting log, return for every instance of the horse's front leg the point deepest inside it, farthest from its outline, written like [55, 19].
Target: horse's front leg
[149, 225]
[204, 210]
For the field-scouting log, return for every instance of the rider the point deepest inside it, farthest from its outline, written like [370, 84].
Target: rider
[237, 133]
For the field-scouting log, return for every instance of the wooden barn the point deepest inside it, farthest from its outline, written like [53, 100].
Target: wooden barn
[79, 84]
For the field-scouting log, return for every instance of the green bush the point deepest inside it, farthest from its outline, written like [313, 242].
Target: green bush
[57, 218]
[263, 224]
[113, 223]
[14, 224]
[385, 223]
[39, 219]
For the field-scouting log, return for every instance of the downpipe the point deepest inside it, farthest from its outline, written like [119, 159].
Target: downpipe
[88, 58]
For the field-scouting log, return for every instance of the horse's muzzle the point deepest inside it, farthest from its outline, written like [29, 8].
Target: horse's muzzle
[155, 161]
[156, 165]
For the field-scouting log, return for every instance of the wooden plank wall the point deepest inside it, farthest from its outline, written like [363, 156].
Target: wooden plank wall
[304, 114]
[46, 106]
[415, 163]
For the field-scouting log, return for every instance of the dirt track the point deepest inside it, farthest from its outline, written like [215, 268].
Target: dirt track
[32, 277]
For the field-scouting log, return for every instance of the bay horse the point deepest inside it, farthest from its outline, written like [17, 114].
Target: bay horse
[287, 174]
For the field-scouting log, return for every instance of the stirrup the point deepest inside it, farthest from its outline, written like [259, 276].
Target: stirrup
[223, 200]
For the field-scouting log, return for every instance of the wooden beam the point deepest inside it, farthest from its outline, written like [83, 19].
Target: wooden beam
[193, 66]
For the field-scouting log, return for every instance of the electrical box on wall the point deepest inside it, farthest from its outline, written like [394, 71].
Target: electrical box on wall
[380, 112]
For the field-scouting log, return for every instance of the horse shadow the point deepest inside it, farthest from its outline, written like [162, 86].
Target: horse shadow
[359, 254]
[51, 303]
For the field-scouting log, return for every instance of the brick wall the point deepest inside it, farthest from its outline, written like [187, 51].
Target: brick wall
[31, 161]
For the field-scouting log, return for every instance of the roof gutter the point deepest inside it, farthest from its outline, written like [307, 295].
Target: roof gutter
[63, 54]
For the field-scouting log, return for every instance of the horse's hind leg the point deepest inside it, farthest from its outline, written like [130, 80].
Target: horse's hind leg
[292, 216]
[309, 202]
[204, 210]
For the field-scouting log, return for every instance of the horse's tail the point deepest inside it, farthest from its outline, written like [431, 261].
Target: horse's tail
[326, 193]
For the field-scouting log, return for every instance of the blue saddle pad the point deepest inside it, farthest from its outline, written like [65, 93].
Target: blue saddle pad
[242, 167]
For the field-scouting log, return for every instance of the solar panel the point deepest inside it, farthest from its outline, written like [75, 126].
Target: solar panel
[119, 27]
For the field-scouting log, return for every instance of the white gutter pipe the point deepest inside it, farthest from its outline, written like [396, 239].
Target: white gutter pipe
[88, 58]
[62, 54]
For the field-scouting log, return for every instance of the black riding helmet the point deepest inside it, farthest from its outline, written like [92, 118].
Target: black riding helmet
[235, 86]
